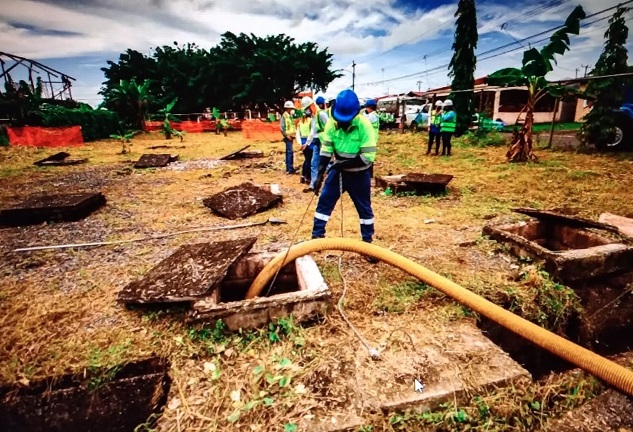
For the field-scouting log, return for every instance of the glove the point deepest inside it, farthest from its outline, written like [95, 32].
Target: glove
[338, 165]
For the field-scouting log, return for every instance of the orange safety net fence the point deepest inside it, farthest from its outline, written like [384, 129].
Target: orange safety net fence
[191, 126]
[257, 130]
[45, 137]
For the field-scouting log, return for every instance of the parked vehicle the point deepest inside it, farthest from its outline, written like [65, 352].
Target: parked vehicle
[486, 123]
[418, 119]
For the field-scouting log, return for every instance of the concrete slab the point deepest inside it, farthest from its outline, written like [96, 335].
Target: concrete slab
[452, 362]
[242, 200]
[52, 208]
[299, 291]
[610, 411]
[155, 160]
[417, 183]
[59, 159]
[188, 274]
[569, 253]
[624, 225]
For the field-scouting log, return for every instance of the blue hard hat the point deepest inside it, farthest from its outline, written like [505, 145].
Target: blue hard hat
[346, 106]
[320, 100]
[370, 103]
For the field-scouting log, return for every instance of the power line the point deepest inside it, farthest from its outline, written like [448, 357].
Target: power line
[415, 74]
[424, 33]
[530, 13]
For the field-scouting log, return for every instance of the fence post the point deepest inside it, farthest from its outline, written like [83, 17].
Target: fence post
[551, 130]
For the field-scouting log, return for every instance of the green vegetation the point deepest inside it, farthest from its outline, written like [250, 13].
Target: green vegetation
[535, 66]
[95, 124]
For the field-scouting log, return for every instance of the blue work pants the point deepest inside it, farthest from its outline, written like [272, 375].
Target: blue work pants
[290, 169]
[316, 159]
[358, 185]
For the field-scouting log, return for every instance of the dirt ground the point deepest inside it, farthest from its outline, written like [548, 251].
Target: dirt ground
[58, 309]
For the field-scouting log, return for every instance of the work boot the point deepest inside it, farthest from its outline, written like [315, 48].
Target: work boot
[369, 259]
[308, 189]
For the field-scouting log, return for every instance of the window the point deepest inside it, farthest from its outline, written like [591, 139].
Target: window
[515, 101]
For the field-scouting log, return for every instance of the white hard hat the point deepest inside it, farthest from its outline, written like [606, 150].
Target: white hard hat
[306, 101]
[448, 102]
[289, 104]
[438, 103]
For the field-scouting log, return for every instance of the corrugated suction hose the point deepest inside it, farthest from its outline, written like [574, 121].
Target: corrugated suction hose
[610, 372]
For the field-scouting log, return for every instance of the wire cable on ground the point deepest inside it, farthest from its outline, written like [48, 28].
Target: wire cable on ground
[373, 352]
[603, 368]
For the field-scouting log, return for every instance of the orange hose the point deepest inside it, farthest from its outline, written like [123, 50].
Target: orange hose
[610, 372]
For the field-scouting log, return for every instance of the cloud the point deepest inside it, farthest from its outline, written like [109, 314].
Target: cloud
[386, 39]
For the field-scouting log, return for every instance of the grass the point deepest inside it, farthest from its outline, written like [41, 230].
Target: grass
[58, 310]
[546, 127]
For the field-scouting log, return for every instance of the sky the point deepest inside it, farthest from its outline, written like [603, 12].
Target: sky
[396, 45]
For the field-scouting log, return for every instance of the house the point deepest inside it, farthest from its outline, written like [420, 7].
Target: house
[507, 103]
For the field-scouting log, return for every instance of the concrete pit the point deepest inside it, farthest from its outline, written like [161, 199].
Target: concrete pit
[568, 253]
[299, 290]
[118, 399]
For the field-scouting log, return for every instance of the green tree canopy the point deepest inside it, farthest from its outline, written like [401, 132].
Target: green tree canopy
[463, 63]
[242, 71]
[607, 93]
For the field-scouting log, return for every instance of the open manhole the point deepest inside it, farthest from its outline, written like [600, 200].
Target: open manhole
[242, 200]
[110, 400]
[155, 160]
[416, 183]
[597, 267]
[568, 253]
[299, 290]
[52, 208]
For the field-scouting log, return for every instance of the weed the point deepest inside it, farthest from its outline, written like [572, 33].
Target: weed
[401, 296]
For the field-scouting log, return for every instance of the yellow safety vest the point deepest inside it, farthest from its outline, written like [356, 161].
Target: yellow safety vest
[304, 126]
[289, 123]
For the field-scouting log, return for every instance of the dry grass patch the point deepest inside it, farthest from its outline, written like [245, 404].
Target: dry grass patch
[58, 311]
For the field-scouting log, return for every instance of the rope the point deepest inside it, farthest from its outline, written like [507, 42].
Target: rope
[373, 353]
[292, 241]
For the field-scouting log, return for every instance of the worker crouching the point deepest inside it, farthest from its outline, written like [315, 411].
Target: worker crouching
[350, 139]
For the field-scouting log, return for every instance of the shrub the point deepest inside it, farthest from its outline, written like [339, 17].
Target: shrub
[95, 124]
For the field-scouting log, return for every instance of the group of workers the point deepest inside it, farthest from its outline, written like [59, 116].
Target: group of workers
[442, 124]
[339, 148]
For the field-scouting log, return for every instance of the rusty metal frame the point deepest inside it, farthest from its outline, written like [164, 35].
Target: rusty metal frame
[56, 92]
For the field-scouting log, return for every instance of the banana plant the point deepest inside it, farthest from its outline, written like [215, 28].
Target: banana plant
[220, 123]
[125, 139]
[167, 129]
[536, 64]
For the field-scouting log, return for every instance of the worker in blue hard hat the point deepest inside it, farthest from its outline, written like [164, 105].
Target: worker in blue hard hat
[372, 116]
[349, 139]
[319, 120]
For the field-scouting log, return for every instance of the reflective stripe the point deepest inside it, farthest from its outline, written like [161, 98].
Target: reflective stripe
[325, 153]
[368, 149]
[363, 168]
[346, 155]
[365, 159]
[322, 217]
[367, 221]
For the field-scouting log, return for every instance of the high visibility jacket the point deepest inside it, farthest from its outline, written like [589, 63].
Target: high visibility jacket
[375, 122]
[289, 124]
[449, 121]
[305, 124]
[320, 122]
[358, 140]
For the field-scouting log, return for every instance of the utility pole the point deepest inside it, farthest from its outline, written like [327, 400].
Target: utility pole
[577, 72]
[586, 67]
[353, 74]
[418, 83]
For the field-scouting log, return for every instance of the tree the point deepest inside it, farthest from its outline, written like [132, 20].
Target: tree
[536, 64]
[130, 100]
[599, 125]
[243, 71]
[463, 63]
